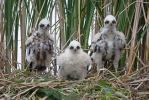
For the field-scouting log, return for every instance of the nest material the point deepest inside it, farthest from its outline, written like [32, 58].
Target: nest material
[19, 85]
[30, 85]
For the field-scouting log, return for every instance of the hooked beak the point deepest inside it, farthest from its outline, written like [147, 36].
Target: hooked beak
[75, 50]
[111, 24]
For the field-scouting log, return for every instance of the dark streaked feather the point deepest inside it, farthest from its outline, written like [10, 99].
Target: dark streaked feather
[29, 51]
[40, 68]
[44, 55]
[30, 67]
[38, 56]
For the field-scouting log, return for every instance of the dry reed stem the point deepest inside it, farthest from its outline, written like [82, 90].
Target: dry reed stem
[135, 72]
[140, 80]
[135, 26]
[139, 59]
[104, 69]
[62, 21]
[139, 85]
[147, 40]
[33, 94]
[23, 92]
[39, 14]
[130, 67]
[23, 25]
[79, 22]
[127, 7]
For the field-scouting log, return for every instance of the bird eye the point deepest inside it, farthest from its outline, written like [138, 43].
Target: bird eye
[71, 47]
[114, 22]
[106, 22]
[78, 47]
[42, 25]
[48, 25]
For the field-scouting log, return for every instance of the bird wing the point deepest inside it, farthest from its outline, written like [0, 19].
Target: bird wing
[31, 47]
[64, 57]
[97, 37]
[39, 49]
[61, 59]
[50, 43]
[86, 60]
[120, 40]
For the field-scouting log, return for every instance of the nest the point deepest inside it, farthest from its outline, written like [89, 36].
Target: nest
[108, 85]
[25, 85]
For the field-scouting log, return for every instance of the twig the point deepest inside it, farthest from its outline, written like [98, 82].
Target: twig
[67, 41]
[129, 42]
[33, 94]
[139, 59]
[23, 92]
[114, 76]
[141, 80]
[39, 13]
[139, 85]
[27, 84]
[106, 5]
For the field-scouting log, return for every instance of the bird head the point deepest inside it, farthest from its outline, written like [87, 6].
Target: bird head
[74, 46]
[110, 21]
[44, 25]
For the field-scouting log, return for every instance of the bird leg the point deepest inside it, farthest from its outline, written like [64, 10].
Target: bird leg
[116, 59]
[116, 70]
[99, 66]
[116, 66]
[97, 56]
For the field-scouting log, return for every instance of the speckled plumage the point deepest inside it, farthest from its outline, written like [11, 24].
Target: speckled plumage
[73, 63]
[39, 47]
[108, 43]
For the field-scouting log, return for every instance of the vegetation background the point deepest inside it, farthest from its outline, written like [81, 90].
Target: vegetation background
[74, 19]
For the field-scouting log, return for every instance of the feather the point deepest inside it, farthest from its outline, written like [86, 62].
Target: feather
[108, 43]
[39, 47]
[73, 62]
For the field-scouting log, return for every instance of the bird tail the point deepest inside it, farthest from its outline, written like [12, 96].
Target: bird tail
[38, 68]
[30, 67]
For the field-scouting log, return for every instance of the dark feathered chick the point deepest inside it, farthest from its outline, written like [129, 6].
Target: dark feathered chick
[39, 47]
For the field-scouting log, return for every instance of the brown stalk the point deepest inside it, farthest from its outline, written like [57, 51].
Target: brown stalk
[79, 22]
[39, 14]
[62, 21]
[23, 14]
[147, 40]
[135, 26]
[133, 59]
